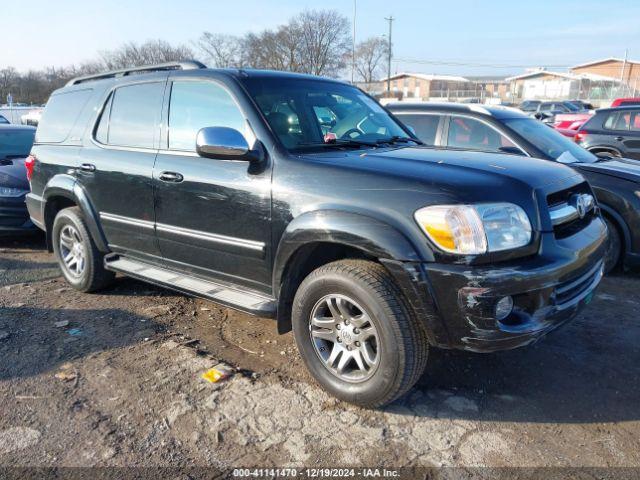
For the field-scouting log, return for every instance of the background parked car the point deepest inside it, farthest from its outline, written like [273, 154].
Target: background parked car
[612, 131]
[15, 145]
[568, 124]
[506, 130]
[530, 105]
[582, 105]
[625, 102]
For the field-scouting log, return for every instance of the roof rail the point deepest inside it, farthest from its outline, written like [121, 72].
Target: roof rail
[185, 65]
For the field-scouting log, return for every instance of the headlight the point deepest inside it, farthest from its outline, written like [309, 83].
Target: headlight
[475, 229]
[12, 192]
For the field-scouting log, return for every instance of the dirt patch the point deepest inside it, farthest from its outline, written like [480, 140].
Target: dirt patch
[114, 379]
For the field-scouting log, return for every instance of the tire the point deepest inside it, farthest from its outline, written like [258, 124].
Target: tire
[401, 347]
[614, 247]
[70, 225]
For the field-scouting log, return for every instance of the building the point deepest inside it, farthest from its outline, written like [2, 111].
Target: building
[491, 87]
[627, 71]
[422, 86]
[547, 85]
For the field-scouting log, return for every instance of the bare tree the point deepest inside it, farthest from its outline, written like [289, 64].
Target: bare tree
[313, 42]
[222, 51]
[153, 51]
[324, 41]
[369, 56]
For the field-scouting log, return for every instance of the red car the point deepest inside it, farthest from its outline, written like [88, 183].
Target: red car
[568, 123]
[625, 102]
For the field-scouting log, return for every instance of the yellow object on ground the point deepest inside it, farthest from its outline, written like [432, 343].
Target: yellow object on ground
[217, 373]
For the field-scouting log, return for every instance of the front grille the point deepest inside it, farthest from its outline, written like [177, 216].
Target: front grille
[573, 290]
[565, 217]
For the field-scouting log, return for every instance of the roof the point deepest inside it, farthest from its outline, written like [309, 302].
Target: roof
[603, 60]
[567, 76]
[185, 67]
[486, 110]
[427, 76]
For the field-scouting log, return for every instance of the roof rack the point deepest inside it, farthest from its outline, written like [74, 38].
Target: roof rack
[185, 65]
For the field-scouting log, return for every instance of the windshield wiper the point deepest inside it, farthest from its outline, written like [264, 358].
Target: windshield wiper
[340, 142]
[399, 139]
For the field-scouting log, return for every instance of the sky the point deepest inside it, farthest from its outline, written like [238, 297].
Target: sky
[465, 37]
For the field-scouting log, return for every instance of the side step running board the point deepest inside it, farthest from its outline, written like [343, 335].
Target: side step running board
[245, 301]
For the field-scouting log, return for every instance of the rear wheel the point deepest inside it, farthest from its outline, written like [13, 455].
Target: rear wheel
[80, 260]
[356, 335]
[614, 247]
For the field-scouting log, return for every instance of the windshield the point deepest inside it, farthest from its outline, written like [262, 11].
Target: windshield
[307, 114]
[550, 142]
[15, 142]
[572, 107]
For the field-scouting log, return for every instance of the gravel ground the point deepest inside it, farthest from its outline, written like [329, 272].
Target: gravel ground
[114, 379]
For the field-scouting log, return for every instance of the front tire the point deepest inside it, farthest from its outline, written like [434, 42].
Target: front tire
[614, 247]
[356, 334]
[80, 260]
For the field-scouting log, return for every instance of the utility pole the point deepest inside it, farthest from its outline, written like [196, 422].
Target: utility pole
[353, 44]
[389, 19]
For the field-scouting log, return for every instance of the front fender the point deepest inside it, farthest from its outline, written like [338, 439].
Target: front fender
[67, 187]
[368, 234]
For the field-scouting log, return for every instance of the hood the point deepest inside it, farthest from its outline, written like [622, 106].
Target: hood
[624, 168]
[453, 167]
[13, 173]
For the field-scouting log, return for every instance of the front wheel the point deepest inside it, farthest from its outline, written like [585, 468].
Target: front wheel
[80, 260]
[614, 247]
[356, 335]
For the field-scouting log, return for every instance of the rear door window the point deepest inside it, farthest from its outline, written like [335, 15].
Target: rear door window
[60, 115]
[635, 122]
[424, 126]
[618, 121]
[471, 134]
[135, 115]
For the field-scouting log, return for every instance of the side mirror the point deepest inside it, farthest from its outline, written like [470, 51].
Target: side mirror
[223, 143]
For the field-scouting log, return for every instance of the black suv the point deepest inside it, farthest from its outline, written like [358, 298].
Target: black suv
[612, 131]
[301, 198]
[506, 130]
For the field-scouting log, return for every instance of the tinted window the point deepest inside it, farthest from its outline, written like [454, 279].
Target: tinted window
[3, 120]
[135, 114]
[472, 134]
[618, 121]
[60, 115]
[195, 105]
[424, 126]
[15, 142]
[635, 121]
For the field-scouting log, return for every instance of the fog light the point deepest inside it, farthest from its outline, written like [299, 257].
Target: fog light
[504, 306]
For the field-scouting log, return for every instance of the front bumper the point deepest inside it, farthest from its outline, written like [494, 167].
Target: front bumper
[14, 217]
[548, 290]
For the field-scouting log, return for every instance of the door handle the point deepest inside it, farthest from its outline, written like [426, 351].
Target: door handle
[619, 139]
[88, 167]
[173, 177]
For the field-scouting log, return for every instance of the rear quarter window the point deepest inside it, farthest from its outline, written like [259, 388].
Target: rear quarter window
[60, 115]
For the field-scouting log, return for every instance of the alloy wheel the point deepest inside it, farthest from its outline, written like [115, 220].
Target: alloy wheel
[72, 251]
[344, 338]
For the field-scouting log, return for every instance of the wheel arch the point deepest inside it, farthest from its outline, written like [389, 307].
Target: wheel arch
[321, 237]
[619, 222]
[63, 191]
